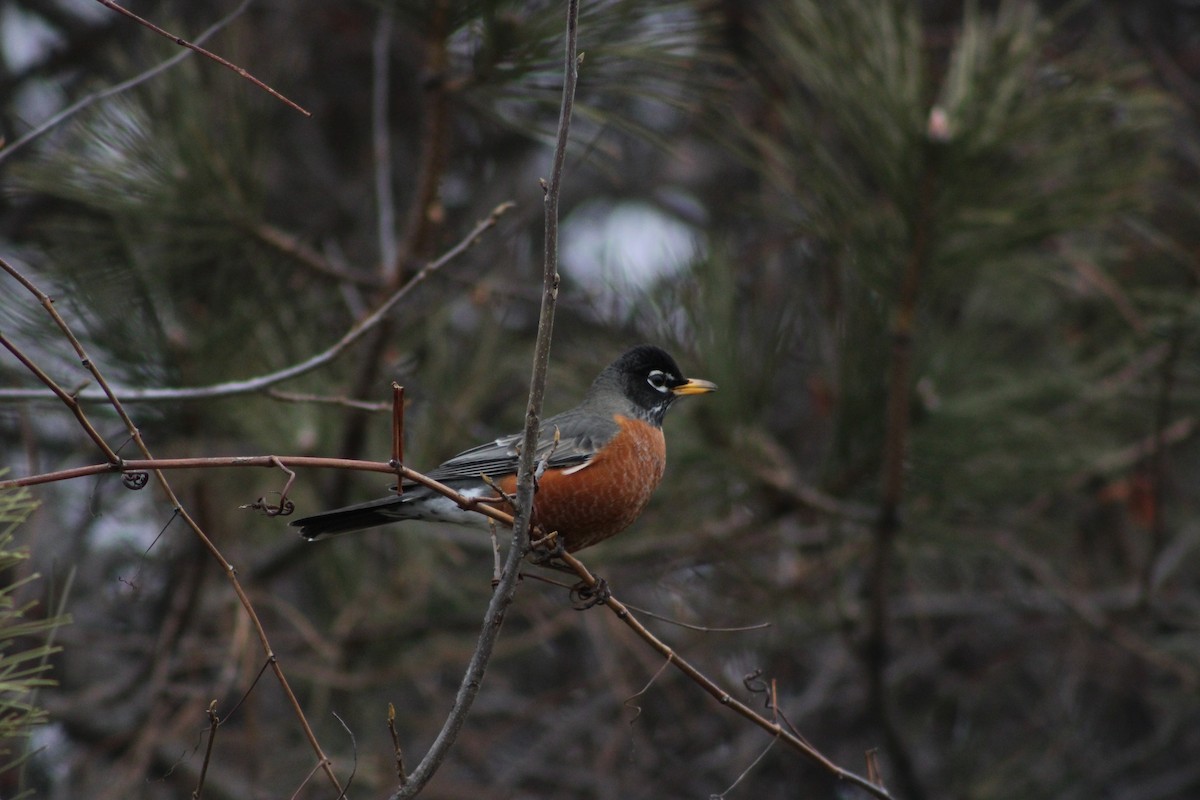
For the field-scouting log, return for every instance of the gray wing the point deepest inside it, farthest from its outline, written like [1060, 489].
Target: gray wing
[579, 437]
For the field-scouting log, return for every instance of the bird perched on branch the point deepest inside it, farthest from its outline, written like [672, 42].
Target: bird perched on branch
[602, 461]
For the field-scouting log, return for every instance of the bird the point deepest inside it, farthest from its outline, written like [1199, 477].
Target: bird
[602, 460]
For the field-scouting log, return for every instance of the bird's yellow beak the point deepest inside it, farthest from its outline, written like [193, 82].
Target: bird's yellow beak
[694, 386]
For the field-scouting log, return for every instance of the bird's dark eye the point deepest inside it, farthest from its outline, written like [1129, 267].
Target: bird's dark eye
[658, 379]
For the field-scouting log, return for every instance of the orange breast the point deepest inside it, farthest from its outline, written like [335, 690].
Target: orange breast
[603, 498]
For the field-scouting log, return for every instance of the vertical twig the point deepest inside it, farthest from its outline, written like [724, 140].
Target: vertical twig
[213, 723]
[507, 585]
[898, 415]
[398, 434]
[424, 221]
[401, 773]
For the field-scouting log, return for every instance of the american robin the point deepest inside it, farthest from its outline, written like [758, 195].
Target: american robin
[603, 460]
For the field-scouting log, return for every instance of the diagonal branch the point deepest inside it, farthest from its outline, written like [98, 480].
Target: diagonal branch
[264, 381]
[323, 762]
[623, 612]
[207, 54]
[84, 102]
[723, 697]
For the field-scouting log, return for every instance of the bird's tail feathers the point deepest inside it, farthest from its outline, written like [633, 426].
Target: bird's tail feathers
[349, 518]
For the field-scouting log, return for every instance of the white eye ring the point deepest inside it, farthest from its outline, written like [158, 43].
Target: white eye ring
[658, 379]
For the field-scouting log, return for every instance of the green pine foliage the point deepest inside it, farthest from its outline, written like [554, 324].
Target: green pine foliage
[1032, 164]
[25, 638]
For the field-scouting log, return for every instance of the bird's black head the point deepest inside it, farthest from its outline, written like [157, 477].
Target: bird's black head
[649, 379]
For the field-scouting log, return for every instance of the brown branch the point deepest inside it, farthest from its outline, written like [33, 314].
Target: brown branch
[273, 462]
[398, 427]
[213, 723]
[625, 614]
[425, 216]
[9, 149]
[195, 48]
[262, 382]
[293, 247]
[230, 573]
[401, 773]
[67, 399]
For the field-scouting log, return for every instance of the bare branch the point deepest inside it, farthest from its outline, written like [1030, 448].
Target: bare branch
[227, 568]
[225, 462]
[88, 100]
[293, 247]
[198, 49]
[264, 381]
[213, 722]
[773, 727]
[506, 587]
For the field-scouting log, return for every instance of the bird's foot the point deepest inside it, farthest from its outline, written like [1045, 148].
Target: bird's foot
[545, 549]
[584, 595]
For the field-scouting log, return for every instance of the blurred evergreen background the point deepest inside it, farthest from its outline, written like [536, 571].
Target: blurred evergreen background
[988, 209]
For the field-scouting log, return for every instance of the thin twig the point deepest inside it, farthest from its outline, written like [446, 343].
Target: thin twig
[320, 399]
[296, 249]
[224, 462]
[178, 508]
[66, 397]
[624, 614]
[506, 587]
[207, 54]
[746, 771]
[213, 722]
[264, 381]
[757, 626]
[628, 701]
[401, 773]
[398, 431]
[84, 102]
[354, 750]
